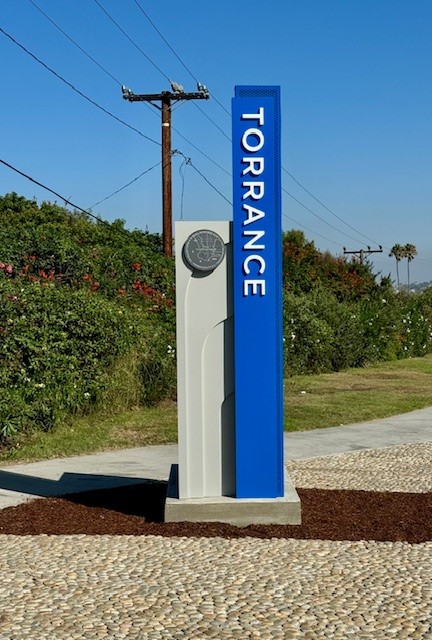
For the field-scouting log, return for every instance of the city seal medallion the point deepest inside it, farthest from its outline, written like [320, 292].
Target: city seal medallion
[204, 250]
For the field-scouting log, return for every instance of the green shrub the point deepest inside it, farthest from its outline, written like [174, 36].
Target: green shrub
[87, 318]
[321, 333]
[395, 326]
[415, 328]
[48, 243]
[58, 347]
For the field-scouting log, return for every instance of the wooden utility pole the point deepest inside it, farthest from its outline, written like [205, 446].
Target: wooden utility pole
[362, 253]
[166, 98]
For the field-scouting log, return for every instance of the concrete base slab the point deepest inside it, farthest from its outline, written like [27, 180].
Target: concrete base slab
[237, 511]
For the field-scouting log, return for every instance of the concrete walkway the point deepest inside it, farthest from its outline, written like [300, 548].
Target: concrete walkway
[407, 428]
[59, 476]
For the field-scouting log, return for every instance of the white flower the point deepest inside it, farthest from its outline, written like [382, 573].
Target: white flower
[86, 394]
[40, 385]
[384, 301]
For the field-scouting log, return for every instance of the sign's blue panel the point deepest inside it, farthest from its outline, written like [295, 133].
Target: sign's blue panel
[257, 282]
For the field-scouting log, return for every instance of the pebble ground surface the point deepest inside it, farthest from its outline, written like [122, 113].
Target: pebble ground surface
[150, 587]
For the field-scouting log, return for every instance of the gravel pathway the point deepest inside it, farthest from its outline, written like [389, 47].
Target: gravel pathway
[149, 587]
[406, 468]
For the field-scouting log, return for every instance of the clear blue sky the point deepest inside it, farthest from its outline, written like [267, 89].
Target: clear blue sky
[356, 110]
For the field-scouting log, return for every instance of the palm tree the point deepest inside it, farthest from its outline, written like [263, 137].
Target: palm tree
[410, 252]
[398, 252]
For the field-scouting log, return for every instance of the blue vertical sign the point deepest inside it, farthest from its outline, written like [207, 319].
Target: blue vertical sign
[257, 283]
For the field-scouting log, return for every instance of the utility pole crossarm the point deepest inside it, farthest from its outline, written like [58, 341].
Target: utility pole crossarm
[149, 97]
[166, 99]
[362, 253]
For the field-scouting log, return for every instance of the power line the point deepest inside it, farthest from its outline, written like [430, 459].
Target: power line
[154, 141]
[166, 99]
[210, 183]
[83, 95]
[67, 201]
[140, 133]
[114, 193]
[330, 225]
[175, 53]
[112, 115]
[74, 42]
[318, 216]
[311, 230]
[228, 138]
[182, 172]
[75, 206]
[165, 40]
[98, 106]
[324, 205]
[213, 122]
[362, 253]
[120, 84]
[86, 53]
[109, 16]
[202, 152]
[132, 41]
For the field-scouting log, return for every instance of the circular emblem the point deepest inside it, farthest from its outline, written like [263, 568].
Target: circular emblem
[204, 250]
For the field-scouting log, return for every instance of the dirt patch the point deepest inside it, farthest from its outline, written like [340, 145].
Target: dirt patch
[138, 510]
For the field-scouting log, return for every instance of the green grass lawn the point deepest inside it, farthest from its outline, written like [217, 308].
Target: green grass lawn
[331, 399]
[356, 395]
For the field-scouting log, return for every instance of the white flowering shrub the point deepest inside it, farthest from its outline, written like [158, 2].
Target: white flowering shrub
[324, 334]
[321, 333]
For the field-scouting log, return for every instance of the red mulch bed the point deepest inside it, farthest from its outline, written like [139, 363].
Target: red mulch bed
[138, 510]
